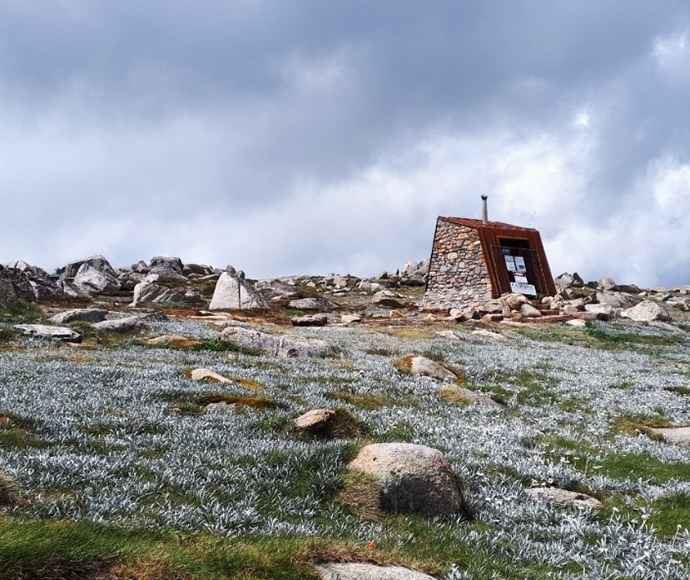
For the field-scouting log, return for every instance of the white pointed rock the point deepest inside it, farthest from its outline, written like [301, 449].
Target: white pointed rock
[234, 293]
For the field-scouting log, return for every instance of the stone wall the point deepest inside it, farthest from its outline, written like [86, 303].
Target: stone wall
[458, 275]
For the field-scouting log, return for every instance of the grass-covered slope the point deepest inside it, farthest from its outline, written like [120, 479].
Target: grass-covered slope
[112, 465]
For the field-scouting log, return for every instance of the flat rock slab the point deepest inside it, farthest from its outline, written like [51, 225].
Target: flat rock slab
[126, 324]
[564, 497]
[52, 332]
[674, 435]
[334, 571]
[81, 314]
[273, 345]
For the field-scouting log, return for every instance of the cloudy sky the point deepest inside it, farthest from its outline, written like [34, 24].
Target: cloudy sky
[312, 136]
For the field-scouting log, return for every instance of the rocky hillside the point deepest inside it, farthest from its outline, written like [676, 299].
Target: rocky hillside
[181, 421]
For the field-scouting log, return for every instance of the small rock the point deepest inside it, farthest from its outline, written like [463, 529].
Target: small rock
[314, 420]
[350, 318]
[356, 571]
[577, 323]
[487, 334]
[310, 320]
[202, 374]
[529, 311]
[420, 366]
[387, 299]
[514, 301]
[489, 318]
[315, 303]
[564, 497]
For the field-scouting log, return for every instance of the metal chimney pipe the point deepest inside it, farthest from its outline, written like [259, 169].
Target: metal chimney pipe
[485, 210]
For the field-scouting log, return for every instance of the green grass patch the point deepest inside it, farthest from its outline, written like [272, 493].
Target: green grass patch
[671, 514]
[454, 396]
[217, 345]
[534, 387]
[631, 466]
[633, 424]
[613, 340]
[402, 431]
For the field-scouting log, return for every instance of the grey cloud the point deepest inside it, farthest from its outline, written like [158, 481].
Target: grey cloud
[153, 113]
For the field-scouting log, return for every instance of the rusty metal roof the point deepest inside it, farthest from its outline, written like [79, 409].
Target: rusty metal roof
[479, 224]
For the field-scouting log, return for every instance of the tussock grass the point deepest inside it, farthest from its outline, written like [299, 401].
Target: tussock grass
[23, 313]
[9, 493]
[18, 432]
[361, 400]
[360, 495]
[242, 401]
[633, 424]
[453, 395]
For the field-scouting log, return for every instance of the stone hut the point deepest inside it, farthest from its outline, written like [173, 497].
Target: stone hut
[473, 261]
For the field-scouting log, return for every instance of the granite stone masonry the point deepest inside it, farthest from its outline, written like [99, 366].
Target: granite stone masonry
[458, 274]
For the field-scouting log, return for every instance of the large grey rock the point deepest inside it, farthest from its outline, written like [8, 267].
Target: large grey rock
[647, 311]
[53, 332]
[565, 281]
[411, 478]
[607, 284]
[420, 366]
[602, 311]
[315, 303]
[234, 293]
[615, 299]
[168, 269]
[127, 324]
[272, 345]
[278, 290]
[93, 275]
[8, 296]
[359, 571]
[387, 299]
[151, 293]
[370, 287]
[80, 314]
[15, 286]
[41, 284]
